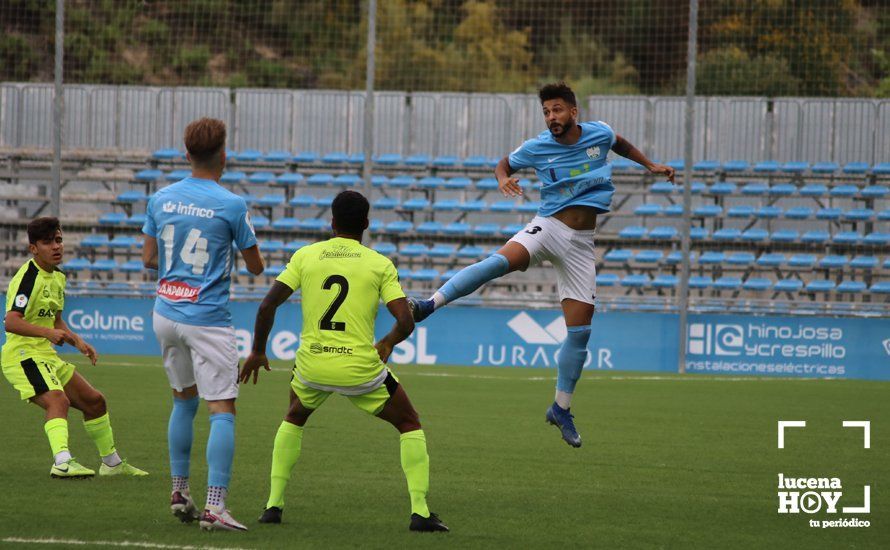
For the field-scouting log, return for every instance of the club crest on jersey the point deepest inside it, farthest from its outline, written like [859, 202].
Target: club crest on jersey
[168, 207]
[177, 291]
[593, 152]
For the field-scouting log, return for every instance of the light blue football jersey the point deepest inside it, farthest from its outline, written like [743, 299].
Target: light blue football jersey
[195, 222]
[572, 175]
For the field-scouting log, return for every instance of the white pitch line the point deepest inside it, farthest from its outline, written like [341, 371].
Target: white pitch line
[121, 543]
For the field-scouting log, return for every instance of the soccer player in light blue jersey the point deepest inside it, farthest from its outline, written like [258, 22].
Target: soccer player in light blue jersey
[189, 231]
[569, 159]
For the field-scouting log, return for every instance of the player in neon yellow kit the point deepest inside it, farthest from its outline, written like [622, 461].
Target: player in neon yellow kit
[342, 283]
[34, 302]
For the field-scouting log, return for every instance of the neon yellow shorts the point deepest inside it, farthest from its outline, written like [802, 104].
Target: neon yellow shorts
[33, 376]
[371, 402]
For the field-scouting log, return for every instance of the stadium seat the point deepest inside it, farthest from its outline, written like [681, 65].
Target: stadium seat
[740, 211]
[711, 258]
[414, 250]
[856, 168]
[259, 222]
[707, 211]
[271, 200]
[884, 215]
[320, 180]
[606, 279]
[824, 168]
[528, 207]
[727, 234]
[815, 237]
[247, 155]
[348, 180]
[132, 266]
[881, 169]
[844, 191]
[475, 161]
[755, 234]
[487, 184]
[795, 167]
[788, 285]
[662, 187]
[470, 252]
[881, 287]
[858, 214]
[425, 275]
[386, 248]
[503, 206]
[167, 154]
[782, 190]
[324, 202]
[285, 224]
[677, 164]
[431, 182]
[662, 281]
[648, 256]
[784, 236]
[131, 197]
[388, 159]
[356, 158]
[274, 270]
[278, 157]
[123, 242]
[820, 285]
[772, 259]
[700, 282]
[103, 266]
[306, 157]
[847, 237]
[313, 224]
[445, 162]
[177, 175]
[706, 166]
[290, 178]
[798, 213]
[456, 228]
[813, 190]
[757, 284]
[676, 257]
[740, 258]
[441, 250]
[385, 203]
[723, 188]
[768, 212]
[416, 204]
[76, 264]
[735, 166]
[728, 283]
[673, 210]
[473, 206]
[399, 226]
[336, 157]
[767, 166]
[458, 183]
[148, 176]
[851, 287]
[663, 233]
[877, 238]
[271, 246]
[618, 255]
[249, 199]
[112, 218]
[261, 178]
[446, 205]
[94, 241]
[379, 181]
[429, 228]
[864, 262]
[304, 201]
[648, 210]
[376, 226]
[486, 229]
[633, 232]
[635, 281]
[874, 192]
[448, 274]
[833, 262]
[755, 189]
[802, 260]
[512, 229]
[296, 244]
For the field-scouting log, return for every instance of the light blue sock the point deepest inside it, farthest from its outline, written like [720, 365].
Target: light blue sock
[473, 276]
[572, 355]
[179, 435]
[220, 449]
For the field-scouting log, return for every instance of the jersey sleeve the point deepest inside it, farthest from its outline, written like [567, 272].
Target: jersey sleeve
[522, 156]
[609, 131]
[390, 289]
[242, 229]
[149, 227]
[291, 274]
[22, 292]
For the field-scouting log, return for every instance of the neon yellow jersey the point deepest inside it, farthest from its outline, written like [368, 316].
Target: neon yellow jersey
[342, 283]
[38, 295]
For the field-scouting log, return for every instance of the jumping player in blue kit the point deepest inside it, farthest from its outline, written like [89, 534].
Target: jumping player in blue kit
[189, 231]
[569, 159]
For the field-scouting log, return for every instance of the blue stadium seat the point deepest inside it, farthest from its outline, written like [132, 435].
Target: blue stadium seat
[356, 158]
[795, 167]
[167, 154]
[379, 181]
[511, 229]
[727, 234]
[294, 245]
[735, 166]
[247, 155]
[757, 284]
[388, 159]
[740, 258]
[723, 188]
[673, 210]
[635, 281]
[103, 266]
[414, 250]
[429, 228]
[385, 248]
[441, 250]
[94, 241]
[649, 256]
[711, 258]
[337, 157]
[768, 212]
[487, 184]
[844, 191]
[828, 214]
[859, 214]
[706, 166]
[306, 157]
[740, 211]
[456, 228]
[132, 266]
[864, 262]
[470, 252]
[431, 182]
[856, 168]
[503, 206]
[290, 178]
[324, 202]
[698, 233]
[271, 246]
[385, 203]
[772, 259]
[663, 233]
[815, 237]
[633, 232]
[303, 201]
[445, 162]
[881, 287]
[618, 255]
[528, 207]
[813, 190]
[348, 180]
[402, 181]
[728, 283]
[833, 261]
[285, 224]
[847, 237]
[676, 256]
[798, 213]
[399, 226]
[662, 281]
[177, 175]
[486, 229]
[148, 176]
[700, 282]
[448, 274]
[425, 275]
[259, 222]
[696, 188]
[802, 260]
[820, 285]
[473, 206]
[707, 211]
[877, 238]
[784, 236]
[875, 192]
[788, 285]
[277, 157]
[782, 190]
[417, 160]
[881, 169]
[112, 218]
[313, 224]
[270, 200]
[476, 161]
[884, 215]
[648, 210]
[824, 168]
[131, 197]
[851, 287]
[676, 164]
[76, 264]
[416, 204]
[662, 187]
[446, 205]
[606, 279]
[755, 189]
[274, 270]
[123, 242]
[458, 183]
[376, 226]
[767, 166]
[320, 180]
[261, 178]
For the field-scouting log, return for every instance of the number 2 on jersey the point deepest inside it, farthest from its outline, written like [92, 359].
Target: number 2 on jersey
[327, 320]
[194, 251]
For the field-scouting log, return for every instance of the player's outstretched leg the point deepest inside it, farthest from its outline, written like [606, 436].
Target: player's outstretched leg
[465, 282]
[220, 453]
[572, 356]
[180, 430]
[285, 453]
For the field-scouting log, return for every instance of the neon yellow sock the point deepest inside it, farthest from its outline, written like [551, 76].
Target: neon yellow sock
[285, 454]
[416, 465]
[99, 430]
[57, 432]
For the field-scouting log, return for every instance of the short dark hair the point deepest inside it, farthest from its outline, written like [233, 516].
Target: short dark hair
[43, 229]
[558, 90]
[350, 210]
[204, 139]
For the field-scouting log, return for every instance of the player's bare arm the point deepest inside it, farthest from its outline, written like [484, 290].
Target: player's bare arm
[75, 340]
[507, 185]
[402, 328]
[16, 324]
[626, 149]
[265, 318]
[253, 260]
[150, 253]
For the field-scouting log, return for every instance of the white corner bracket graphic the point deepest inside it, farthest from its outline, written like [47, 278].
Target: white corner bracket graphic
[788, 424]
[866, 503]
[866, 430]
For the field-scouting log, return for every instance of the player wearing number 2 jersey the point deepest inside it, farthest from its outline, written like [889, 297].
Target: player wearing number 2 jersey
[189, 231]
[342, 284]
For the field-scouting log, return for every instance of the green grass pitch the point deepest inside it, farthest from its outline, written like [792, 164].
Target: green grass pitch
[668, 461]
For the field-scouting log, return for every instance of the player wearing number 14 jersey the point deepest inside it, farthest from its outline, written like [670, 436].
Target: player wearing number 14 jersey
[189, 231]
